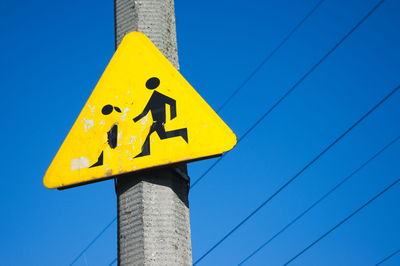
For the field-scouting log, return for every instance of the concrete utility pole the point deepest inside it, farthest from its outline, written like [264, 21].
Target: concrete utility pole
[153, 208]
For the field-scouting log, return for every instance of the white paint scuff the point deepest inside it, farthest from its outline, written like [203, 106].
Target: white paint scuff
[144, 120]
[132, 139]
[87, 124]
[125, 112]
[91, 108]
[79, 163]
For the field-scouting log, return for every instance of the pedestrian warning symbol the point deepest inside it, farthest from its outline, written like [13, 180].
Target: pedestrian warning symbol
[141, 114]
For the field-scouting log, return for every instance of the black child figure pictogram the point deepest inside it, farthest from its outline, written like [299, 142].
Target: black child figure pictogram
[112, 134]
[157, 107]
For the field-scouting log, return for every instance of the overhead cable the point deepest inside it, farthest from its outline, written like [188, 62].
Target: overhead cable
[343, 221]
[269, 56]
[314, 159]
[388, 257]
[93, 241]
[327, 148]
[291, 89]
[343, 181]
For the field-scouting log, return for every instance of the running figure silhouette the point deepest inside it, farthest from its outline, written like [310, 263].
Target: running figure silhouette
[157, 107]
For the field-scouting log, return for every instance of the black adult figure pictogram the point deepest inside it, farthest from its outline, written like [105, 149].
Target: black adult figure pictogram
[112, 134]
[157, 107]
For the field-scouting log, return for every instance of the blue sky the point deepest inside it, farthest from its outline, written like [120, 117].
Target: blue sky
[53, 53]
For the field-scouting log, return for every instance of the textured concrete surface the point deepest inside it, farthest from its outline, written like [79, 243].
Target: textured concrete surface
[154, 219]
[155, 18]
[153, 209]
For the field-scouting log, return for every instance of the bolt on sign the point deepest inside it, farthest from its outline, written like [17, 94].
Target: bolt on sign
[141, 114]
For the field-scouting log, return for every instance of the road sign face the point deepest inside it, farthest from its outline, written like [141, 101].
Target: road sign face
[141, 114]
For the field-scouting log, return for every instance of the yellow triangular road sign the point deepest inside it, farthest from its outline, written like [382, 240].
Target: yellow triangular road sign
[141, 114]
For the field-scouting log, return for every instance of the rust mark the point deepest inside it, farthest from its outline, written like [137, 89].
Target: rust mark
[109, 172]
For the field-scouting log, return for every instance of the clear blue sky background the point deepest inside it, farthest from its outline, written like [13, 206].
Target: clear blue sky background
[53, 53]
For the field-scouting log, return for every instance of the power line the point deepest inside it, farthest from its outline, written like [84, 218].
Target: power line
[93, 241]
[112, 262]
[269, 56]
[344, 180]
[208, 170]
[308, 165]
[288, 92]
[387, 257]
[298, 173]
[255, 71]
[343, 221]
[252, 74]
